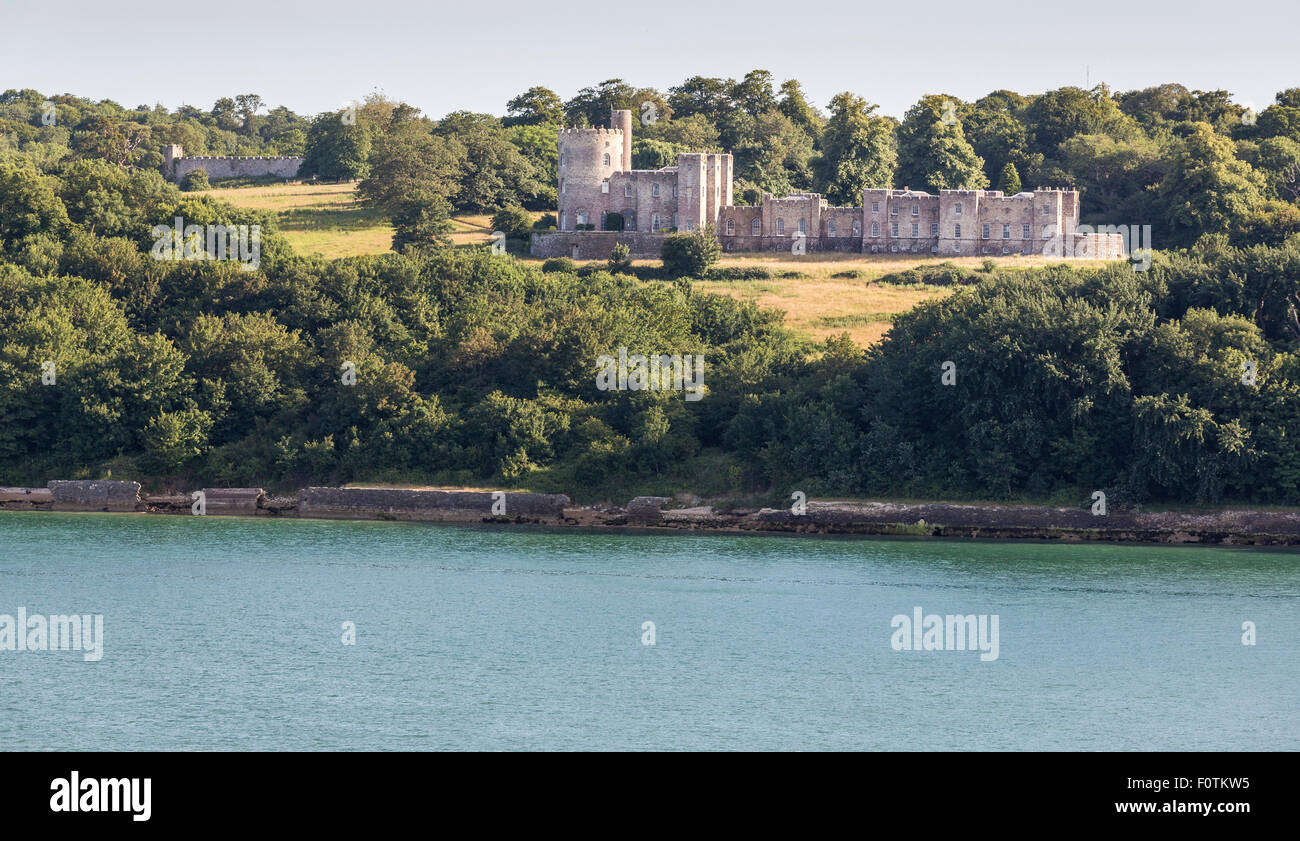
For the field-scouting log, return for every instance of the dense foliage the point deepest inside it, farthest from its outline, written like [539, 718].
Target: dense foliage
[472, 368]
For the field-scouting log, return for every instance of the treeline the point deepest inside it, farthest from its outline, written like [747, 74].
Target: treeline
[1186, 162]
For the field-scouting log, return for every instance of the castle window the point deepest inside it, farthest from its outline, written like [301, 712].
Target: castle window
[674, 191]
[604, 186]
[780, 227]
[857, 227]
[1047, 211]
[957, 232]
[731, 227]
[627, 190]
[755, 227]
[561, 220]
[830, 228]
[803, 226]
[985, 231]
[690, 224]
[629, 220]
[582, 218]
[893, 211]
[875, 207]
[916, 210]
[1006, 231]
[957, 209]
[875, 229]
[654, 189]
[561, 159]
[655, 222]
[1047, 231]
[934, 229]
[605, 160]
[674, 220]
[563, 187]
[893, 229]
[916, 230]
[1024, 232]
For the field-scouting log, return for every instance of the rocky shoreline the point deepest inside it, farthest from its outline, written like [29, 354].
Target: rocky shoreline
[1231, 527]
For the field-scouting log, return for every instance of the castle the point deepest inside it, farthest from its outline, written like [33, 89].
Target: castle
[175, 165]
[603, 201]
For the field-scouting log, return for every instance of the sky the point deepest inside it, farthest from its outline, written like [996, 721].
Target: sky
[442, 57]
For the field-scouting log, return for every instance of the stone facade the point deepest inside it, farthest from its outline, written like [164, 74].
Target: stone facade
[176, 164]
[596, 180]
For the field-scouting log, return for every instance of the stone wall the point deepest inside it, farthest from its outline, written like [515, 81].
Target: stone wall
[237, 167]
[432, 506]
[94, 495]
[595, 245]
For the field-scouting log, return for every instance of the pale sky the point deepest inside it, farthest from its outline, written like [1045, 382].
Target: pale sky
[441, 57]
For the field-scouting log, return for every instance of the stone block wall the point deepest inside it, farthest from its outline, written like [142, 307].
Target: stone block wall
[433, 506]
[596, 245]
[94, 495]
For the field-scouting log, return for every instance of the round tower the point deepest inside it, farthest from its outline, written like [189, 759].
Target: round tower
[622, 121]
[588, 156]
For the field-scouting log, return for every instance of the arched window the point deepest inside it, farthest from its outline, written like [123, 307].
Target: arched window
[605, 160]
[561, 220]
[803, 226]
[582, 218]
[755, 227]
[654, 222]
[780, 227]
[857, 227]
[562, 187]
[731, 227]
[627, 190]
[654, 189]
[629, 220]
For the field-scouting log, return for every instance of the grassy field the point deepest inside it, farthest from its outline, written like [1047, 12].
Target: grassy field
[325, 219]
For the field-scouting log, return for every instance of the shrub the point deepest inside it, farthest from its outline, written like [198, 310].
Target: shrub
[849, 274]
[195, 179]
[546, 223]
[613, 221]
[738, 273]
[620, 259]
[691, 254]
[560, 264]
[512, 221]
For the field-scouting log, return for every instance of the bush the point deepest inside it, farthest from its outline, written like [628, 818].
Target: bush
[620, 259]
[512, 221]
[195, 179]
[546, 223]
[738, 273]
[691, 254]
[850, 274]
[942, 274]
[560, 264]
[613, 221]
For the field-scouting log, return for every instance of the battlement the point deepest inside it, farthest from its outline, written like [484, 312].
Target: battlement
[594, 132]
[241, 158]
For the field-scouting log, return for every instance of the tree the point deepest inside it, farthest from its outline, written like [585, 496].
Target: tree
[493, 172]
[795, 106]
[932, 149]
[421, 220]
[691, 254]
[195, 180]
[513, 222]
[620, 259]
[591, 106]
[857, 150]
[1207, 188]
[753, 94]
[409, 160]
[535, 106]
[1009, 182]
[338, 147]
